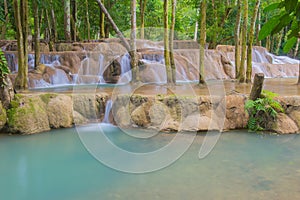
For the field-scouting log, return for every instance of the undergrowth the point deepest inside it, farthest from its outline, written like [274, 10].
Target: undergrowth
[263, 111]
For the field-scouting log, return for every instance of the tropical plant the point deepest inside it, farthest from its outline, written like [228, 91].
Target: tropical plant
[4, 70]
[263, 111]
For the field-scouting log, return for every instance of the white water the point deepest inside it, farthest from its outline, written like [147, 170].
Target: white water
[108, 108]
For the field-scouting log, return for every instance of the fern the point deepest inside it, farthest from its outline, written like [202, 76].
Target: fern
[263, 111]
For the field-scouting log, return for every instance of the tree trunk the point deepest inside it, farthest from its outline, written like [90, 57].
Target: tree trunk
[133, 54]
[268, 43]
[3, 34]
[67, 20]
[36, 34]
[202, 41]
[250, 42]
[237, 52]
[258, 42]
[215, 19]
[244, 42]
[114, 26]
[88, 26]
[172, 28]
[296, 48]
[257, 86]
[53, 29]
[166, 43]
[143, 4]
[74, 20]
[102, 23]
[196, 30]
[279, 40]
[21, 22]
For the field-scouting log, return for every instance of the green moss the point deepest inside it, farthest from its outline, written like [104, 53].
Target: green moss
[47, 97]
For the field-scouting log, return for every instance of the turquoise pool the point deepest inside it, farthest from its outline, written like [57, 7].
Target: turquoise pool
[56, 165]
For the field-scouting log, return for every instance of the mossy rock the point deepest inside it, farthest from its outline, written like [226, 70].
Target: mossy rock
[2, 116]
[27, 115]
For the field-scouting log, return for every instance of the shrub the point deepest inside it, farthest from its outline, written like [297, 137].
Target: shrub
[262, 111]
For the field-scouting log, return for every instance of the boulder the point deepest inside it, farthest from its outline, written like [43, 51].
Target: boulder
[197, 122]
[60, 112]
[122, 117]
[140, 116]
[295, 115]
[87, 106]
[285, 125]
[27, 115]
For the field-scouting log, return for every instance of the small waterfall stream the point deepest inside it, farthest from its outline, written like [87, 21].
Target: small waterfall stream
[108, 108]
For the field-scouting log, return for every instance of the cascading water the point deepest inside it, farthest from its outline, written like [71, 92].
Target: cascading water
[126, 75]
[108, 108]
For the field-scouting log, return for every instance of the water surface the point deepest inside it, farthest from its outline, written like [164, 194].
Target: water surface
[56, 165]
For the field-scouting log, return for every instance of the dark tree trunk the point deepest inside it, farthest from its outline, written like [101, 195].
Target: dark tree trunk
[202, 41]
[133, 55]
[257, 86]
[36, 34]
[74, 20]
[172, 28]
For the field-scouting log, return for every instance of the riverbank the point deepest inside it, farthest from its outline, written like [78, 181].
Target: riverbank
[186, 107]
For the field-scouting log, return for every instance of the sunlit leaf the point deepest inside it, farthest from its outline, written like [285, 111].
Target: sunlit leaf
[289, 44]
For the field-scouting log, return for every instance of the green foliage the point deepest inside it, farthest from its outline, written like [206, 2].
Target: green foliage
[262, 111]
[4, 70]
[289, 16]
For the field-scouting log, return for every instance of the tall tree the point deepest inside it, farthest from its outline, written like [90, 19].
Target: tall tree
[36, 33]
[237, 52]
[88, 26]
[133, 54]
[21, 21]
[102, 22]
[74, 20]
[202, 41]
[244, 42]
[166, 43]
[67, 20]
[250, 42]
[143, 4]
[3, 32]
[172, 29]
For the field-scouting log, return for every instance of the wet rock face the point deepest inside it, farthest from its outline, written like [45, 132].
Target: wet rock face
[285, 125]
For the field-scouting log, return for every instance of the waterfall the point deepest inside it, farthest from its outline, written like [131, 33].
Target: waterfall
[59, 78]
[126, 74]
[108, 108]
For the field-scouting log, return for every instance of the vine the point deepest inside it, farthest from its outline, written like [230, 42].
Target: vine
[263, 111]
[4, 70]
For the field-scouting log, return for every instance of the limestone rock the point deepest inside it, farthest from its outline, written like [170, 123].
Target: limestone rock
[27, 115]
[2, 116]
[158, 113]
[285, 125]
[139, 116]
[60, 111]
[236, 116]
[87, 106]
[295, 115]
[197, 122]
[122, 117]
[79, 119]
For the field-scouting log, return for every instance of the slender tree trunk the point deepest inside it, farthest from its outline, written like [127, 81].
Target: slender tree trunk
[296, 48]
[196, 30]
[258, 42]
[143, 4]
[268, 43]
[237, 52]
[215, 33]
[52, 27]
[279, 40]
[250, 41]
[172, 29]
[244, 42]
[88, 26]
[67, 20]
[166, 43]
[36, 34]
[202, 41]
[114, 26]
[21, 21]
[3, 34]
[74, 20]
[102, 22]
[133, 54]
